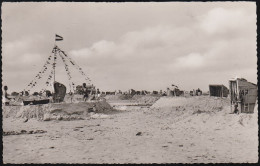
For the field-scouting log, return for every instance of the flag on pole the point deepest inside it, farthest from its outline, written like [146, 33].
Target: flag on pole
[58, 38]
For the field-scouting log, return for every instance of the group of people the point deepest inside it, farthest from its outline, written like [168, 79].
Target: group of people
[88, 95]
[197, 92]
[91, 94]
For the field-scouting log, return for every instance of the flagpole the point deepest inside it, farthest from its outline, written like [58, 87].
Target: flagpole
[54, 95]
[55, 41]
[57, 38]
[54, 63]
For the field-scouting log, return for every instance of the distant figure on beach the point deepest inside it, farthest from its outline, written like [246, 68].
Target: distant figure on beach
[98, 94]
[5, 97]
[5, 88]
[85, 97]
[236, 111]
[199, 92]
[71, 96]
[48, 93]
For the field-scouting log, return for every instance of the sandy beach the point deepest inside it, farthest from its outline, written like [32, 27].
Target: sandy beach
[172, 130]
[129, 83]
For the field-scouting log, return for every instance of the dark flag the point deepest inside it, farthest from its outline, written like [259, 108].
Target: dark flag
[58, 38]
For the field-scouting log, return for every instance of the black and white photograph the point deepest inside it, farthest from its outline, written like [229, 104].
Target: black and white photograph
[129, 82]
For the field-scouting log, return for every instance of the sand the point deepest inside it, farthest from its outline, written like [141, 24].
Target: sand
[60, 111]
[137, 99]
[172, 130]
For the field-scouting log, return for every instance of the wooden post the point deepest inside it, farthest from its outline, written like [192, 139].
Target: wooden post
[221, 91]
[54, 95]
[54, 65]
[230, 95]
[237, 93]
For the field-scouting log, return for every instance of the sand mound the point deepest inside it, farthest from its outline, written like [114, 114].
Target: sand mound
[208, 112]
[57, 111]
[147, 99]
[118, 97]
[198, 104]
[125, 97]
[139, 99]
[180, 108]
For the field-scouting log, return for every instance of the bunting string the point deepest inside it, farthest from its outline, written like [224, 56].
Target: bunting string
[77, 67]
[39, 75]
[67, 71]
[67, 62]
[48, 81]
[54, 58]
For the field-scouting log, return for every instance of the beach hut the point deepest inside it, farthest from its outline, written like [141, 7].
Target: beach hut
[243, 94]
[218, 90]
[178, 92]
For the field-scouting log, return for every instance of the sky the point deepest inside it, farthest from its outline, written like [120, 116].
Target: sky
[131, 45]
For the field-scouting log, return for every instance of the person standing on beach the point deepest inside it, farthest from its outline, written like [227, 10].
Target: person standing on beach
[85, 95]
[98, 94]
[236, 111]
[71, 96]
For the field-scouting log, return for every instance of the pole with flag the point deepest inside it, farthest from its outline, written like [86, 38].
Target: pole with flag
[57, 38]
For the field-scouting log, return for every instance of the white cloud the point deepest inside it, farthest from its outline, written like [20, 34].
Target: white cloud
[129, 48]
[166, 52]
[191, 61]
[22, 52]
[220, 20]
[148, 43]
[103, 46]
